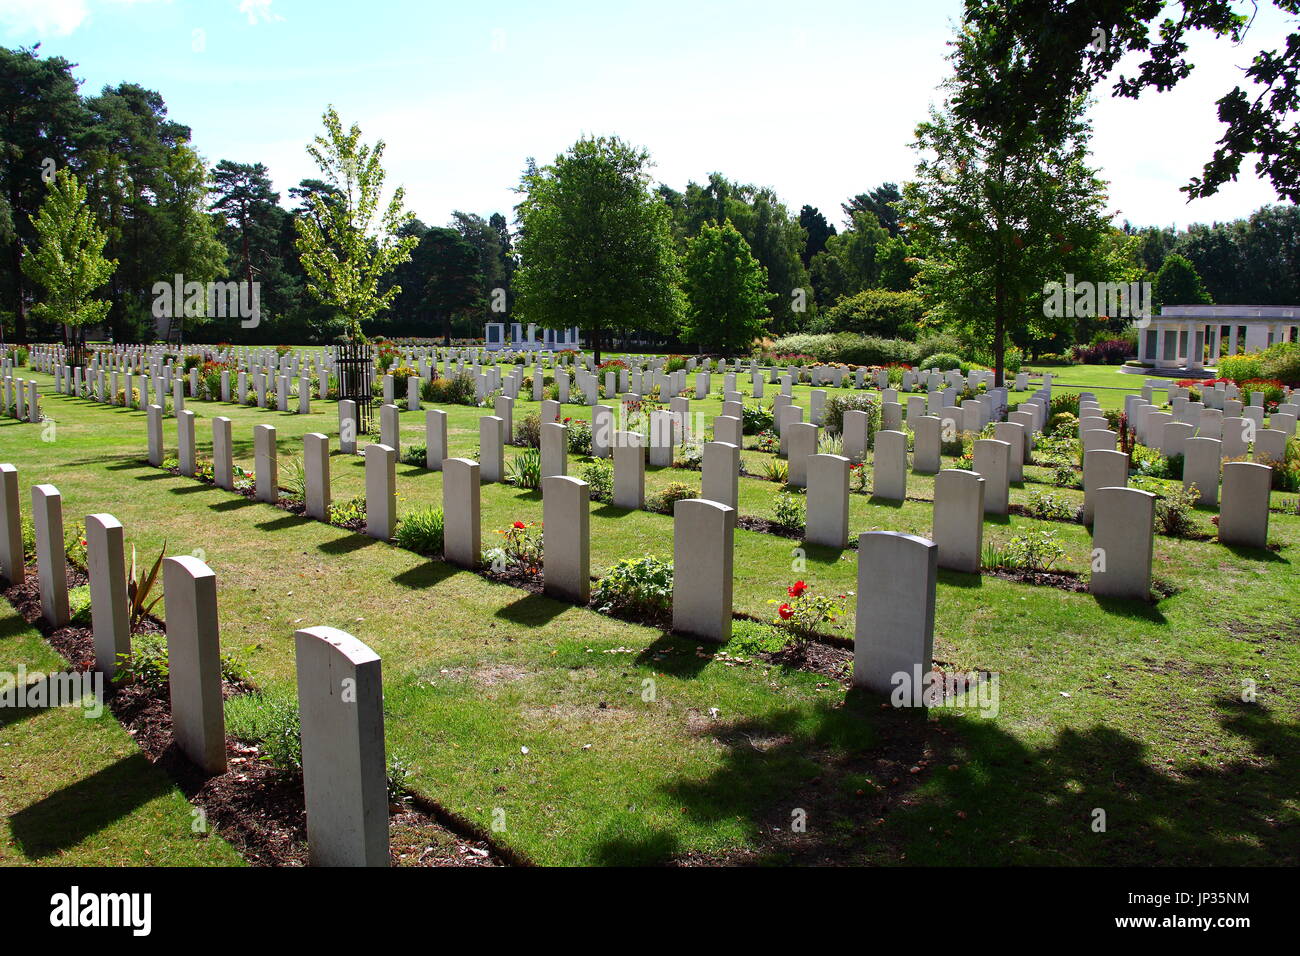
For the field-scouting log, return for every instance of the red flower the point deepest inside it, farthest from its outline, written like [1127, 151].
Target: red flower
[519, 525]
[786, 612]
[796, 590]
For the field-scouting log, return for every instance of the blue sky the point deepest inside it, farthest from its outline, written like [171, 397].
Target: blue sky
[817, 99]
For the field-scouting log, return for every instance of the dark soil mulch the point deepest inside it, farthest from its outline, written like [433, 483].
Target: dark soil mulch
[1064, 580]
[255, 806]
[767, 526]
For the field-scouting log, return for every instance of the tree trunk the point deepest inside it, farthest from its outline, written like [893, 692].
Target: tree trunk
[595, 343]
[999, 332]
[446, 328]
[20, 297]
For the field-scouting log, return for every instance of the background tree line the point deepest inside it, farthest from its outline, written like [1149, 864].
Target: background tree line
[965, 253]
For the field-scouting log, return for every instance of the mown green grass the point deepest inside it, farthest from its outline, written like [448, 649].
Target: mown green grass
[1129, 708]
[76, 791]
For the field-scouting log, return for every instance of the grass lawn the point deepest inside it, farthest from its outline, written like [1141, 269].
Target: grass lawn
[608, 742]
[76, 791]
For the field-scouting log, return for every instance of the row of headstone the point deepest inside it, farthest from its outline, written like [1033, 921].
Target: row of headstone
[340, 695]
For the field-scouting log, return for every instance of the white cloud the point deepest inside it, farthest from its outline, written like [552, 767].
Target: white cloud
[259, 11]
[51, 18]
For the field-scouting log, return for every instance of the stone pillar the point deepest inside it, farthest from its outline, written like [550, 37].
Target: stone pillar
[991, 462]
[1202, 458]
[602, 430]
[223, 465]
[1102, 468]
[927, 447]
[390, 432]
[889, 475]
[462, 532]
[435, 438]
[381, 491]
[729, 429]
[109, 614]
[802, 443]
[703, 539]
[555, 449]
[566, 538]
[266, 464]
[1243, 516]
[185, 442]
[629, 471]
[12, 567]
[828, 501]
[316, 474]
[720, 473]
[959, 519]
[1122, 529]
[894, 632]
[344, 769]
[51, 558]
[1013, 434]
[413, 393]
[491, 445]
[348, 426]
[194, 662]
[155, 417]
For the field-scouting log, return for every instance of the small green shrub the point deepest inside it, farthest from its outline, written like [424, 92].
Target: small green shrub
[1175, 512]
[528, 431]
[347, 513]
[415, 454]
[790, 511]
[640, 586]
[942, 362]
[599, 476]
[421, 531]
[663, 501]
[1050, 507]
[776, 469]
[837, 405]
[524, 470]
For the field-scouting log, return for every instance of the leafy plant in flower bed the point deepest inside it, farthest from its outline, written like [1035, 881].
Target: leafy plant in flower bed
[789, 511]
[528, 431]
[457, 390]
[147, 663]
[802, 613]
[599, 476]
[579, 435]
[1036, 550]
[640, 587]
[1050, 507]
[663, 501]
[421, 531]
[524, 470]
[521, 547]
[139, 588]
[858, 477]
[755, 419]
[776, 469]
[1175, 511]
[769, 442]
[690, 454]
[350, 513]
[415, 454]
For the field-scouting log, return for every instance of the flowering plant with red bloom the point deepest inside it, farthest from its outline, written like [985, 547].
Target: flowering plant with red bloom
[805, 613]
[523, 546]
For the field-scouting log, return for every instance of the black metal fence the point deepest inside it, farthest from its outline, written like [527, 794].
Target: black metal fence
[355, 365]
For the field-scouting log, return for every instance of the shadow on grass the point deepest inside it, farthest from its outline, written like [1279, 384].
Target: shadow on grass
[960, 579]
[347, 542]
[986, 798]
[234, 504]
[67, 817]
[678, 655]
[533, 610]
[886, 502]
[426, 575]
[191, 487]
[284, 521]
[1256, 554]
[1128, 607]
